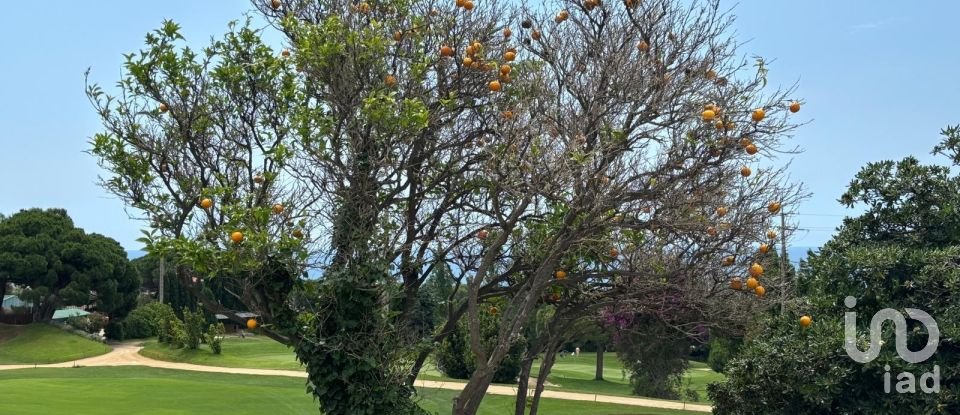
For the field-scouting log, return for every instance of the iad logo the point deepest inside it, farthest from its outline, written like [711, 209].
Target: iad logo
[906, 380]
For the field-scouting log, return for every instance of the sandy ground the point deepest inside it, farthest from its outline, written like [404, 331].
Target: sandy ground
[127, 354]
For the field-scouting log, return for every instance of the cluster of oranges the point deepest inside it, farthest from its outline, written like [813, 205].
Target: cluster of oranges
[473, 58]
[753, 280]
[237, 236]
[465, 4]
[756, 270]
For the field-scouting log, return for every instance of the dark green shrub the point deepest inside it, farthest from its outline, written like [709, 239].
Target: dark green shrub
[115, 331]
[139, 326]
[178, 333]
[214, 337]
[193, 325]
[455, 358]
[722, 349]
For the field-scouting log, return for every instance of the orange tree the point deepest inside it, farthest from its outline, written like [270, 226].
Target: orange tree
[392, 137]
[640, 124]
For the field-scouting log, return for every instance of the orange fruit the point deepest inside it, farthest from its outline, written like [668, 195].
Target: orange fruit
[751, 149]
[446, 51]
[562, 15]
[756, 270]
[708, 115]
[364, 7]
[258, 179]
[771, 235]
[397, 36]
[712, 231]
[206, 203]
[468, 5]
[507, 32]
[236, 237]
[760, 291]
[728, 261]
[509, 56]
[764, 248]
[614, 252]
[752, 283]
[297, 234]
[774, 207]
[494, 86]
[285, 53]
[535, 35]
[745, 171]
[251, 324]
[758, 115]
[163, 107]
[745, 141]
[275, 4]
[561, 275]
[643, 46]
[390, 80]
[794, 107]
[806, 321]
[277, 208]
[467, 61]
[505, 69]
[711, 74]
[482, 234]
[721, 211]
[507, 114]
[460, 3]
[736, 283]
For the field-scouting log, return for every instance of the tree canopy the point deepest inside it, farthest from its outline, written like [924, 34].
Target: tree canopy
[615, 142]
[902, 252]
[59, 264]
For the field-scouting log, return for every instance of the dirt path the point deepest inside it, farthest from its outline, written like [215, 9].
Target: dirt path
[127, 354]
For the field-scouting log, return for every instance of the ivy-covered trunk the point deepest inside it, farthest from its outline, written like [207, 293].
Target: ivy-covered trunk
[351, 345]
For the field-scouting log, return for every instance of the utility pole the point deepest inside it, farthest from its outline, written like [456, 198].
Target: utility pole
[162, 273]
[785, 282]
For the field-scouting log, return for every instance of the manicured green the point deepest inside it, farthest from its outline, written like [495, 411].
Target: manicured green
[576, 374]
[43, 344]
[250, 352]
[569, 374]
[140, 390]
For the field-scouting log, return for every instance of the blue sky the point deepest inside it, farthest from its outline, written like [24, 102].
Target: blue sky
[878, 77]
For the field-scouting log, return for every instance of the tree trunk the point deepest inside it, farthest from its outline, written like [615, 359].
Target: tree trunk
[523, 384]
[43, 312]
[3, 292]
[600, 350]
[549, 358]
[468, 402]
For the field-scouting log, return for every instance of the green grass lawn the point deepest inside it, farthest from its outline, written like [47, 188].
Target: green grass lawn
[569, 374]
[576, 374]
[250, 352]
[141, 390]
[42, 344]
